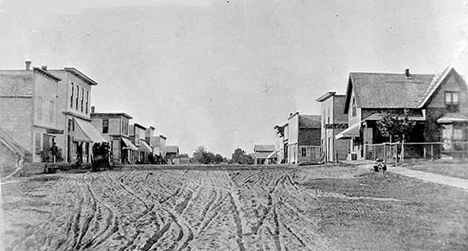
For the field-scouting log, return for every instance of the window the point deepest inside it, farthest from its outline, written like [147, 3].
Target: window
[87, 101]
[71, 97]
[452, 101]
[328, 117]
[38, 144]
[39, 107]
[51, 111]
[304, 152]
[71, 126]
[82, 98]
[77, 94]
[124, 126]
[354, 108]
[105, 126]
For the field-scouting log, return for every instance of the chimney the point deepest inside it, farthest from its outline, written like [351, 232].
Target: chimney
[407, 73]
[28, 64]
[92, 109]
[44, 67]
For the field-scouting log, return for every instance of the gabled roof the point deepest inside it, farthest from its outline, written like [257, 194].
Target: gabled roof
[309, 121]
[264, 148]
[436, 82]
[387, 90]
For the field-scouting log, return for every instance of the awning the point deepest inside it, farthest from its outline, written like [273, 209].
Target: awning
[86, 132]
[145, 147]
[452, 118]
[352, 131]
[378, 116]
[129, 145]
[273, 155]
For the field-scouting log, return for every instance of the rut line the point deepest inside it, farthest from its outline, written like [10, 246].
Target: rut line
[237, 221]
[213, 213]
[155, 237]
[276, 236]
[88, 218]
[110, 216]
[295, 235]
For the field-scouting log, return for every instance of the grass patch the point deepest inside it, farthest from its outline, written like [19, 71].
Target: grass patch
[422, 216]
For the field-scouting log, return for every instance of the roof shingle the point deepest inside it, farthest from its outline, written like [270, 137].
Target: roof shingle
[309, 121]
[389, 90]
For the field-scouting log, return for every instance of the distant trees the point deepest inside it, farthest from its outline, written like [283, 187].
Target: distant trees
[240, 157]
[202, 156]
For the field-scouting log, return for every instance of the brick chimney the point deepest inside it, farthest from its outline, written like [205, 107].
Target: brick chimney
[28, 64]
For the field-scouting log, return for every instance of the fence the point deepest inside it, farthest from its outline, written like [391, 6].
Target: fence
[401, 152]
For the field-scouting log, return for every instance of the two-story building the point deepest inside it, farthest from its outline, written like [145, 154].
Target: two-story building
[115, 128]
[437, 103]
[137, 134]
[28, 109]
[303, 138]
[334, 121]
[159, 145]
[77, 134]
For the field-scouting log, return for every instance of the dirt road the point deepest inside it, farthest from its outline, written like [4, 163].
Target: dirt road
[164, 210]
[175, 210]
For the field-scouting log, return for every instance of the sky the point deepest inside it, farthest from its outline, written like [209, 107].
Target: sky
[222, 74]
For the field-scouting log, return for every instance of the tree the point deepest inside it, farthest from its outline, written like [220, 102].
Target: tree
[394, 127]
[202, 156]
[198, 154]
[218, 159]
[239, 156]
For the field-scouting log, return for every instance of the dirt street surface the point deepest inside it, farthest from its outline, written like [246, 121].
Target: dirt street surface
[331, 208]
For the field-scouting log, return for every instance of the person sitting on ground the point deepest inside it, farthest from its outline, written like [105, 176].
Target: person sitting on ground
[379, 165]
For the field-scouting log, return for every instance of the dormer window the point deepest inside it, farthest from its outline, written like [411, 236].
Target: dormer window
[452, 101]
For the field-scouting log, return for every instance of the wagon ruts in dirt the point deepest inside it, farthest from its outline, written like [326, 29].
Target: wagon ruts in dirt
[101, 158]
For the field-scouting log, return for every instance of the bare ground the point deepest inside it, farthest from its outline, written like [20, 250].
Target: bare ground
[305, 208]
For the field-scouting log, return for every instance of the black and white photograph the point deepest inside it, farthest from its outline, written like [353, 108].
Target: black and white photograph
[246, 125]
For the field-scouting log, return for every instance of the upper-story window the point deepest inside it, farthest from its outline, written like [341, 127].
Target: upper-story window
[71, 96]
[105, 126]
[452, 101]
[51, 111]
[82, 99]
[87, 101]
[124, 126]
[39, 107]
[323, 119]
[77, 96]
[71, 125]
[353, 108]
